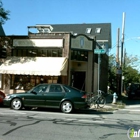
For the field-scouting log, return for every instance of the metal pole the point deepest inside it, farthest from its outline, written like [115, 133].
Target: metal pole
[98, 73]
[118, 82]
[122, 43]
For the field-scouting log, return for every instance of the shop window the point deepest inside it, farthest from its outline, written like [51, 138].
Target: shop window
[26, 82]
[49, 53]
[59, 53]
[79, 55]
[54, 53]
[31, 52]
[24, 52]
[19, 53]
[37, 52]
[14, 52]
[44, 53]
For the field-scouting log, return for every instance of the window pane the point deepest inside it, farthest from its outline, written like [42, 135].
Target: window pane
[55, 88]
[59, 53]
[49, 53]
[55, 53]
[40, 88]
[24, 52]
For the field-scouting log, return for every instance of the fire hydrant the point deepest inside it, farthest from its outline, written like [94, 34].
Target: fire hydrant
[114, 98]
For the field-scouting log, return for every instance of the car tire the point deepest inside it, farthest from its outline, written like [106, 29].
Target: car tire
[16, 104]
[66, 107]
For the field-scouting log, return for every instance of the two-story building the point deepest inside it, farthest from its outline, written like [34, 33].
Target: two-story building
[56, 54]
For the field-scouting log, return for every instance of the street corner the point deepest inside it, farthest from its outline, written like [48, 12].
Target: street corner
[110, 107]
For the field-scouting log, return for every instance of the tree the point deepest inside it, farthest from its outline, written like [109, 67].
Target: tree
[130, 70]
[3, 13]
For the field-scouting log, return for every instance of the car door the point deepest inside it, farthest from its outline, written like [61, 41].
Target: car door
[36, 97]
[54, 96]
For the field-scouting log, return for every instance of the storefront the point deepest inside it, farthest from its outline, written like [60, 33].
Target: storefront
[54, 57]
[26, 72]
[34, 59]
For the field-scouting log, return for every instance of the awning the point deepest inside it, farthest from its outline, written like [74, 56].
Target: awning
[53, 66]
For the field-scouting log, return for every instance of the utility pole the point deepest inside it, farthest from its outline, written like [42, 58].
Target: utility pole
[118, 70]
[117, 55]
[122, 43]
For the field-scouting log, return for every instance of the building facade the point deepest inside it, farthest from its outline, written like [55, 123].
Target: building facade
[53, 55]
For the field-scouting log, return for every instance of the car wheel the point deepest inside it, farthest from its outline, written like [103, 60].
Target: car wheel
[66, 107]
[16, 104]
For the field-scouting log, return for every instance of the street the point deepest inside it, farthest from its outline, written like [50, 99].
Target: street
[47, 124]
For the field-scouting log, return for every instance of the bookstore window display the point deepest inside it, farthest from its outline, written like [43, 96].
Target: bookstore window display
[26, 82]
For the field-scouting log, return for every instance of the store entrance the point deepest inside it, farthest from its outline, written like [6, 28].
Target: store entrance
[79, 80]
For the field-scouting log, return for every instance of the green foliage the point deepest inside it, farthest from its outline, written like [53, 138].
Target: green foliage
[130, 70]
[3, 14]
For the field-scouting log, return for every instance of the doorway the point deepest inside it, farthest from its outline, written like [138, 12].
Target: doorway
[79, 80]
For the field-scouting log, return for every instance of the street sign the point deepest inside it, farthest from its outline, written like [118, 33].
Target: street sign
[99, 51]
[118, 71]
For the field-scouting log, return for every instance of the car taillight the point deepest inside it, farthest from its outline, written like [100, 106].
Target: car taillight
[1, 96]
[84, 96]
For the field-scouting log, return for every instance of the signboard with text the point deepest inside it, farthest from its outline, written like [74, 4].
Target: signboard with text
[99, 51]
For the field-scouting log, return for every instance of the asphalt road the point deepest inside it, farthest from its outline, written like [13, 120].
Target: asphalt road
[50, 124]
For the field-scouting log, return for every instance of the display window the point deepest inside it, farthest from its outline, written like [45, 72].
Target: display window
[26, 82]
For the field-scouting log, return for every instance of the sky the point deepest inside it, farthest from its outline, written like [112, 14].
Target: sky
[25, 13]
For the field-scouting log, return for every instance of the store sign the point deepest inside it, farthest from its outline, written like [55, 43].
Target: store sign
[81, 42]
[38, 42]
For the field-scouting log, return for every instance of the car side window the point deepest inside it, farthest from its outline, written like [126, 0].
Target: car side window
[41, 88]
[55, 88]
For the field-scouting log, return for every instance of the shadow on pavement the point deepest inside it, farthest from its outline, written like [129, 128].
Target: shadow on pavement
[132, 102]
[135, 101]
[80, 111]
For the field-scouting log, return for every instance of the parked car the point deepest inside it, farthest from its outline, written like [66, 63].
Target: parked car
[133, 90]
[59, 96]
[2, 96]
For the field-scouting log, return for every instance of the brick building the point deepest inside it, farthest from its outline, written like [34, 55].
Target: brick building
[56, 54]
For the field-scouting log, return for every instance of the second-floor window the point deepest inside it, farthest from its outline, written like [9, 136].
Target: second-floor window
[37, 52]
[79, 55]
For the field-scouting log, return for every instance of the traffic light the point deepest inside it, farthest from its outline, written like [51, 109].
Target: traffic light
[3, 53]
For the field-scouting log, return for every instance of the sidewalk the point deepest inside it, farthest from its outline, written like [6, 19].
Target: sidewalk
[109, 105]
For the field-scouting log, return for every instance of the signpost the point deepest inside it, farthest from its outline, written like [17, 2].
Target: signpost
[99, 51]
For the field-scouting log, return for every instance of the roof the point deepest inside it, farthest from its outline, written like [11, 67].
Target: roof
[81, 29]
[2, 33]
